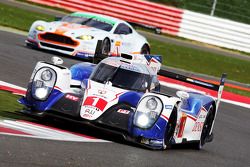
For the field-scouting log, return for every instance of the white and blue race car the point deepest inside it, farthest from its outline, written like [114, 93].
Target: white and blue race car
[122, 95]
[77, 35]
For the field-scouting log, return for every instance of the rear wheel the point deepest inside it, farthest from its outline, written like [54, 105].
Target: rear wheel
[205, 136]
[145, 49]
[169, 133]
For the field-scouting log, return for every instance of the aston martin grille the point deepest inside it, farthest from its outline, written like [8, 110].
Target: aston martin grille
[58, 38]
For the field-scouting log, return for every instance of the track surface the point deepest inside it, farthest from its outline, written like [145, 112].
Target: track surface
[229, 148]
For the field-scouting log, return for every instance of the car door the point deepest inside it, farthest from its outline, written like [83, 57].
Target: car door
[125, 38]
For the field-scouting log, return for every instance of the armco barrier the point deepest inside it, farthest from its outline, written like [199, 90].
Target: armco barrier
[216, 31]
[177, 22]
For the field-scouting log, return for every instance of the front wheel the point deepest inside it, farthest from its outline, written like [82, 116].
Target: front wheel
[170, 129]
[205, 136]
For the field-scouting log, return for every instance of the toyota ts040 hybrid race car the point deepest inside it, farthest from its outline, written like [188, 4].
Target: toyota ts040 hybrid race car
[77, 35]
[122, 95]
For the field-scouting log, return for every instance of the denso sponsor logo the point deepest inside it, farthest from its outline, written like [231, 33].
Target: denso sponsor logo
[102, 91]
[122, 111]
[71, 97]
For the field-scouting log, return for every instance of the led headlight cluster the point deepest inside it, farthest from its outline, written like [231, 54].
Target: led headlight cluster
[43, 82]
[148, 111]
[85, 37]
[40, 28]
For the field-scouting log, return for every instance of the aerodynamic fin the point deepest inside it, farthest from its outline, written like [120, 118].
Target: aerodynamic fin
[220, 90]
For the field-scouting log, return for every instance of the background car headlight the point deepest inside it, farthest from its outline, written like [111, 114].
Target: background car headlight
[85, 37]
[43, 83]
[46, 75]
[148, 111]
[40, 28]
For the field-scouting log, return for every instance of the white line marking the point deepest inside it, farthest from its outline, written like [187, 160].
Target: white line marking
[12, 85]
[45, 132]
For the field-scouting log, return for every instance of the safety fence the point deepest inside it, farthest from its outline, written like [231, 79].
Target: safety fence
[169, 20]
[215, 31]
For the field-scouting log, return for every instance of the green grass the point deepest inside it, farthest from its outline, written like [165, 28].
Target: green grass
[237, 91]
[237, 10]
[201, 61]
[9, 107]
[19, 18]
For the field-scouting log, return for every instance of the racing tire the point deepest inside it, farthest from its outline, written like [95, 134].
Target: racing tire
[205, 137]
[106, 45]
[145, 49]
[170, 129]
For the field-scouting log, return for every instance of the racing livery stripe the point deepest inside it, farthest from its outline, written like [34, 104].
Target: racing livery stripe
[99, 18]
[56, 87]
[191, 117]
[182, 125]
[117, 95]
[164, 117]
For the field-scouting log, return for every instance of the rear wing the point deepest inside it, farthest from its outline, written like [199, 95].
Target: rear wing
[204, 84]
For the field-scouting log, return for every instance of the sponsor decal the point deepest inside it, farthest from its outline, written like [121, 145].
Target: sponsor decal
[86, 116]
[118, 43]
[122, 111]
[168, 107]
[95, 102]
[90, 111]
[102, 92]
[71, 97]
[198, 127]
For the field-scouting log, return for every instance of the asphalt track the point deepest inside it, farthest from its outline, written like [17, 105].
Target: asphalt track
[229, 148]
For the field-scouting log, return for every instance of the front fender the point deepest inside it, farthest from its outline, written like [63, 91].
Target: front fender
[157, 130]
[60, 86]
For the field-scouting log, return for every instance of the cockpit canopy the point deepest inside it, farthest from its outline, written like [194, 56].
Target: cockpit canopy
[123, 75]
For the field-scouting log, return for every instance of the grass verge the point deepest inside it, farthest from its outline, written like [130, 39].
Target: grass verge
[9, 107]
[173, 55]
[201, 61]
[19, 18]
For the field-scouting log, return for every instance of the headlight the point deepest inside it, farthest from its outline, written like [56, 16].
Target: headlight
[151, 104]
[41, 93]
[85, 37]
[148, 111]
[40, 28]
[46, 75]
[43, 83]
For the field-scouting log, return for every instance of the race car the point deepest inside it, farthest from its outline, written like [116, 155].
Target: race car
[122, 95]
[77, 35]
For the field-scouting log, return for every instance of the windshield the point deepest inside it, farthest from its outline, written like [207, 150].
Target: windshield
[91, 22]
[121, 78]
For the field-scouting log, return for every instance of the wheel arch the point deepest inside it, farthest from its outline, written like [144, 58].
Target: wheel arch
[147, 46]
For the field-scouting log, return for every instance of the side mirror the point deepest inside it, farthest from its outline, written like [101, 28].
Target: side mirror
[56, 60]
[182, 94]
